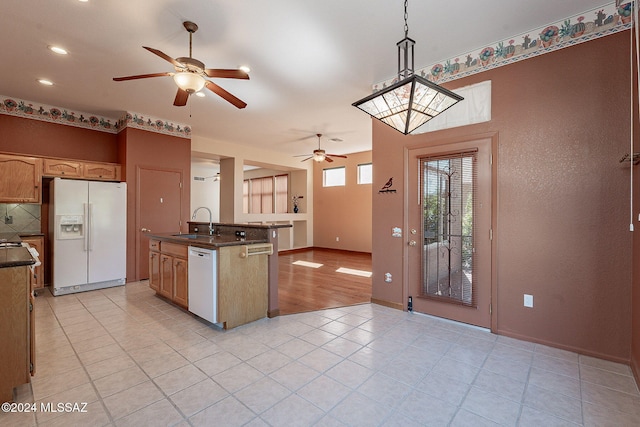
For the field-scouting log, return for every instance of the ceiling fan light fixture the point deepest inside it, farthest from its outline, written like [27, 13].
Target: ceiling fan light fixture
[189, 82]
[412, 100]
[319, 156]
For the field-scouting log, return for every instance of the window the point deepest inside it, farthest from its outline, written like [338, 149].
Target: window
[448, 198]
[333, 177]
[282, 193]
[365, 173]
[265, 195]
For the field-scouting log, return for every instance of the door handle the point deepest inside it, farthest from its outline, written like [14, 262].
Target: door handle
[145, 230]
[412, 243]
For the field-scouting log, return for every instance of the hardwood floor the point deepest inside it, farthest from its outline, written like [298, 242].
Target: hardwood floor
[302, 288]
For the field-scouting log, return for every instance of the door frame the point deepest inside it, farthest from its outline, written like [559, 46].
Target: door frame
[453, 144]
[138, 233]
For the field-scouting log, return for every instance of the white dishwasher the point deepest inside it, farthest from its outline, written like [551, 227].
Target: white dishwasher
[203, 286]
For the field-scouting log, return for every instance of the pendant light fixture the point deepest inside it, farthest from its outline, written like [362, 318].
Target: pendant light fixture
[413, 100]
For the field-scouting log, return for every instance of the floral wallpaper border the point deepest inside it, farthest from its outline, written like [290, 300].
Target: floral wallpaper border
[48, 113]
[139, 121]
[595, 23]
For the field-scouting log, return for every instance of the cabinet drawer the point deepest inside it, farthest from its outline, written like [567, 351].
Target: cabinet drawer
[174, 249]
[154, 245]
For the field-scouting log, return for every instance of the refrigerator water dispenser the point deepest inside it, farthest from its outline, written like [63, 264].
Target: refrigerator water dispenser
[69, 226]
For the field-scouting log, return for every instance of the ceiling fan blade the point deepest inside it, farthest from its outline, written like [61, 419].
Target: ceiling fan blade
[302, 155]
[181, 98]
[328, 159]
[141, 76]
[164, 56]
[337, 155]
[226, 74]
[308, 158]
[225, 95]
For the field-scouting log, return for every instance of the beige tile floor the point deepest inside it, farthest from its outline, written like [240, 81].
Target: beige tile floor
[136, 360]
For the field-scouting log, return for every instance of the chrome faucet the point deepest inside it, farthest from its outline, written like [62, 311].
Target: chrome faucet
[210, 218]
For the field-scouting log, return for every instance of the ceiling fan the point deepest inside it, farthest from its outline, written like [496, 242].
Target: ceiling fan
[320, 155]
[190, 74]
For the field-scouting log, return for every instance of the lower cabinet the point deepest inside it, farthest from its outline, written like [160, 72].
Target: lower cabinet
[16, 333]
[168, 272]
[38, 243]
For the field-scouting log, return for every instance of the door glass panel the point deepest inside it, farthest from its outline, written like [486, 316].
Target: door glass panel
[448, 197]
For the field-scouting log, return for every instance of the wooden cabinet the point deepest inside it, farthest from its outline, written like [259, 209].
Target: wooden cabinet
[103, 171]
[20, 179]
[60, 167]
[168, 271]
[242, 284]
[78, 169]
[180, 282]
[154, 270]
[38, 243]
[16, 331]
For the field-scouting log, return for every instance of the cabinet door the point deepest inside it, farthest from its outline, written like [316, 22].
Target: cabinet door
[38, 243]
[180, 282]
[105, 171]
[20, 179]
[166, 276]
[66, 168]
[154, 271]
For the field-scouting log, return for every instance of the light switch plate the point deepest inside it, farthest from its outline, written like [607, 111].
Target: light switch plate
[528, 300]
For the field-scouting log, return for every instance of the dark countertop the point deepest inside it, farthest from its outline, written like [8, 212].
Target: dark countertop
[204, 240]
[15, 257]
[242, 224]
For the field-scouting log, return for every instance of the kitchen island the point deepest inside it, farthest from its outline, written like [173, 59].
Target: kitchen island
[16, 316]
[239, 274]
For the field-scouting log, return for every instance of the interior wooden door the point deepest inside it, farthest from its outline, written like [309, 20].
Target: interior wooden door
[159, 200]
[449, 231]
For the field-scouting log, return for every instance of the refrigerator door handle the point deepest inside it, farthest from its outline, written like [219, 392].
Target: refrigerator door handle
[90, 226]
[85, 209]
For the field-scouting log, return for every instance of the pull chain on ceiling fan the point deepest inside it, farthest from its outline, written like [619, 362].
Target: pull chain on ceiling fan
[190, 74]
[320, 155]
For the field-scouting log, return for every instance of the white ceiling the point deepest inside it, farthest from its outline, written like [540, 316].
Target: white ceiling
[310, 59]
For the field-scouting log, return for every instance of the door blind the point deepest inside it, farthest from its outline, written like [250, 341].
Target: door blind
[447, 194]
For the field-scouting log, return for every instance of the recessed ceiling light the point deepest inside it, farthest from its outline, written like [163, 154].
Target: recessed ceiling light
[200, 94]
[58, 50]
[45, 82]
[83, 1]
[245, 68]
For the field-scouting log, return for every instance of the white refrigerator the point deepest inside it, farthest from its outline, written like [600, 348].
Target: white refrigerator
[88, 231]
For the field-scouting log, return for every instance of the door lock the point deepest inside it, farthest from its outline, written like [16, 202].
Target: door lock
[412, 243]
[413, 231]
[145, 230]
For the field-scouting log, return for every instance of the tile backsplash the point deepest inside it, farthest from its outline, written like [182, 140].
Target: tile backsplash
[24, 218]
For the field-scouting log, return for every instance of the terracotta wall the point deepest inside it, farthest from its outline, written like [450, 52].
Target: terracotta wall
[342, 212]
[152, 150]
[635, 326]
[561, 223]
[35, 137]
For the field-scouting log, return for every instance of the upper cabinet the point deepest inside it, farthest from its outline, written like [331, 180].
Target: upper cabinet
[20, 179]
[78, 169]
[105, 171]
[60, 167]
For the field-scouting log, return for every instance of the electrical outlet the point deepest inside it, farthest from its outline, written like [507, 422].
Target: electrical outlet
[8, 219]
[528, 300]
[337, 239]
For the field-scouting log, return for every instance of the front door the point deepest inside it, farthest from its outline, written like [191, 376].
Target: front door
[449, 231]
[159, 210]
